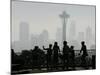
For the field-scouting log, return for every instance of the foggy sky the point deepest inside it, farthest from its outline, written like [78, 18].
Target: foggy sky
[45, 16]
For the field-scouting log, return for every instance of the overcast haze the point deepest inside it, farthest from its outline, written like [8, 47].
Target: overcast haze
[42, 19]
[45, 16]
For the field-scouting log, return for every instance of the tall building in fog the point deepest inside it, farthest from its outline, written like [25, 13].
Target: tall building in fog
[81, 36]
[34, 40]
[24, 31]
[88, 33]
[64, 16]
[89, 37]
[59, 36]
[72, 31]
[43, 38]
[24, 42]
[40, 40]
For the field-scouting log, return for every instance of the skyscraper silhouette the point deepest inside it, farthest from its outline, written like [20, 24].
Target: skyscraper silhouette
[80, 36]
[24, 31]
[24, 42]
[59, 36]
[64, 16]
[89, 37]
[72, 31]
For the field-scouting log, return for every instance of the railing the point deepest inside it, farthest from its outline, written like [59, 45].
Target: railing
[91, 64]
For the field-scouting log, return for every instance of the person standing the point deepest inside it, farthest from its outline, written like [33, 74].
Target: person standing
[72, 57]
[56, 49]
[37, 55]
[65, 55]
[84, 50]
[49, 53]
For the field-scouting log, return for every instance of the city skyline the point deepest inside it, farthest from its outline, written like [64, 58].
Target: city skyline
[52, 37]
[84, 16]
[29, 24]
[42, 39]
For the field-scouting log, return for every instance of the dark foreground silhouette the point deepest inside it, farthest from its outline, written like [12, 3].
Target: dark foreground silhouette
[37, 61]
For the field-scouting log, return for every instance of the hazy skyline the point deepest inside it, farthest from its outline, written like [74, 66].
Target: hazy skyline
[45, 16]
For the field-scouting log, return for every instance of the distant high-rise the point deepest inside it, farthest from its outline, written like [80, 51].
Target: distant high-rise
[59, 36]
[34, 40]
[89, 37]
[45, 35]
[40, 40]
[81, 36]
[88, 33]
[72, 31]
[64, 16]
[23, 42]
[43, 38]
[24, 31]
